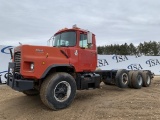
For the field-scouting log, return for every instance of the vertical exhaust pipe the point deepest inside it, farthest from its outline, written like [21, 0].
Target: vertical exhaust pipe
[10, 49]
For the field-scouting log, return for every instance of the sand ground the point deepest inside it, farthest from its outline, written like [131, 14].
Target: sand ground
[106, 103]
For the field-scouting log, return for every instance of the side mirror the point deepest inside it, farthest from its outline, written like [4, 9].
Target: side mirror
[89, 37]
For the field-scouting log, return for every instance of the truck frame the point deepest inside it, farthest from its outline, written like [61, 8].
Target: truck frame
[56, 72]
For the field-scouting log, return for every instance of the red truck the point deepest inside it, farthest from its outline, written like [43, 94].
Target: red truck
[56, 72]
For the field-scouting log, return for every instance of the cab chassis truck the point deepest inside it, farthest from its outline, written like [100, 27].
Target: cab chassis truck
[56, 72]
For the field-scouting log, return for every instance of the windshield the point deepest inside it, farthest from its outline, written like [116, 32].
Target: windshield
[65, 39]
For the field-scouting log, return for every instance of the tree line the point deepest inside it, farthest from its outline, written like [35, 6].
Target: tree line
[151, 48]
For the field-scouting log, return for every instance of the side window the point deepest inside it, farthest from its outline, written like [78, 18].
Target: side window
[83, 41]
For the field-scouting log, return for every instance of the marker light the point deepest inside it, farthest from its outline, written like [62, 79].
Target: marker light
[32, 66]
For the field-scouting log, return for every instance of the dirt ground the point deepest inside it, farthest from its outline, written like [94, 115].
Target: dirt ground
[109, 102]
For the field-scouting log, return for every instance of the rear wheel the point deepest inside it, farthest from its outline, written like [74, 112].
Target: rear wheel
[58, 90]
[137, 80]
[31, 92]
[130, 78]
[122, 78]
[146, 79]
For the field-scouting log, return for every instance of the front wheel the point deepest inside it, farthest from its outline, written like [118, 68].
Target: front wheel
[58, 90]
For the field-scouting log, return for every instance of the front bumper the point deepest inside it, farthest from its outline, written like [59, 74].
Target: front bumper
[17, 83]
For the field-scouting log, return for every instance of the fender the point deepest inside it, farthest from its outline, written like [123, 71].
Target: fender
[54, 66]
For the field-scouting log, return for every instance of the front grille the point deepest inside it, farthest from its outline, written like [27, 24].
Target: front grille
[17, 60]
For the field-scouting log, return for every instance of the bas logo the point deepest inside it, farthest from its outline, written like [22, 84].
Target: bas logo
[102, 62]
[152, 62]
[120, 58]
[5, 50]
[135, 67]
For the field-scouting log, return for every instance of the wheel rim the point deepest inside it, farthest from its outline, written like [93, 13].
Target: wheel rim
[139, 80]
[125, 78]
[148, 80]
[62, 91]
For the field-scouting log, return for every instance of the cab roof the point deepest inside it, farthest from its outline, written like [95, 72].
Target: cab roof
[74, 28]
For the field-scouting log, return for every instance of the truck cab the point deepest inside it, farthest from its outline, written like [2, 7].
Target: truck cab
[56, 71]
[79, 46]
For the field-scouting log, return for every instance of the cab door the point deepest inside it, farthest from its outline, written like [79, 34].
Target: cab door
[87, 55]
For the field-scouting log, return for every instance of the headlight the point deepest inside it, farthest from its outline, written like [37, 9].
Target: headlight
[32, 66]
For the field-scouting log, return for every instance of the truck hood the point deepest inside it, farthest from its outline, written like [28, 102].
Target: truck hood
[59, 55]
[42, 56]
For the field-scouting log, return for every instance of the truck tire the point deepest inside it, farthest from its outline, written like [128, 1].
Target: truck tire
[146, 79]
[137, 80]
[130, 78]
[58, 90]
[31, 92]
[122, 78]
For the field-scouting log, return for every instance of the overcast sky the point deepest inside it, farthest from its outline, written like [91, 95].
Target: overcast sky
[112, 21]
